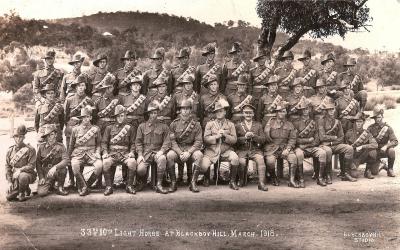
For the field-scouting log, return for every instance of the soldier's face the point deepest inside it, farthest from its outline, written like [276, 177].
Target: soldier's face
[350, 68]
[158, 62]
[241, 88]
[306, 61]
[288, 61]
[121, 118]
[359, 124]
[281, 114]
[298, 88]
[347, 91]
[129, 62]
[184, 60]
[77, 65]
[50, 95]
[188, 86]
[330, 112]
[306, 112]
[136, 87]
[81, 88]
[261, 60]
[109, 90]
[19, 139]
[103, 63]
[329, 64]
[378, 119]
[213, 86]
[210, 56]
[185, 112]
[248, 113]
[220, 114]
[51, 138]
[153, 115]
[162, 89]
[272, 88]
[49, 61]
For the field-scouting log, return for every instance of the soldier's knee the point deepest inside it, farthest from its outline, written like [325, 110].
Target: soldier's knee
[98, 167]
[270, 161]
[299, 154]
[328, 152]
[161, 160]
[172, 156]
[234, 159]
[142, 169]
[363, 94]
[197, 155]
[23, 178]
[76, 166]
[373, 154]
[205, 164]
[321, 155]
[259, 159]
[292, 159]
[348, 152]
[131, 164]
[62, 171]
[107, 163]
[391, 153]
[242, 161]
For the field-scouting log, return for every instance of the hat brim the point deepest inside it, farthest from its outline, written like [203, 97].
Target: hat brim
[233, 51]
[48, 57]
[205, 53]
[215, 110]
[75, 61]
[249, 106]
[46, 134]
[45, 90]
[349, 65]
[326, 60]
[256, 58]
[303, 58]
[96, 62]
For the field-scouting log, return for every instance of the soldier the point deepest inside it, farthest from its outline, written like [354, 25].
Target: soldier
[84, 149]
[70, 77]
[219, 139]
[286, 73]
[233, 69]
[181, 70]
[48, 75]
[250, 139]
[281, 139]
[331, 135]
[307, 73]
[327, 73]
[72, 106]
[20, 166]
[258, 74]
[156, 72]
[118, 145]
[166, 109]
[97, 75]
[207, 101]
[186, 141]
[188, 93]
[384, 135]
[51, 162]
[268, 101]
[240, 98]
[134, 102]
[363, 143]
[50, 111]
[355, 82]
[204, 71]
[152, 143]
[319, 98]
[307, 144]
[346, 106]
[297, 93]
[123, 75]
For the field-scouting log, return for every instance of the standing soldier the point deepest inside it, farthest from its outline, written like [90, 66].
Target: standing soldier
[50, 111]
[20, 166]
[319, 98]
[188, 93]
[239, 98]
[204, 71]
[307, 73]
[158, 71]
[123, 75]
[286, 73]
[363, 143]
[281, 139]
[250, 139]
[98, 74]
[69, 78]
[51, 162]
[327, 74]
[346, 106]
[118, 145]
[355, 82]
[258, 74]
[186, 141]
[307, 144]
[268, 101]
[152, 144]
[183, 69]
[331, 135]
[84, 149]
[72, 106]
[135, 102]
[297, 94]
[219, 139]
[384, 135]
[166, 108]
[233, 69]
[208, 100]
[48, 75]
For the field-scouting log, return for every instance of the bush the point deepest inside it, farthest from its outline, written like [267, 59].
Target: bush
[23, 97]
[390, 102]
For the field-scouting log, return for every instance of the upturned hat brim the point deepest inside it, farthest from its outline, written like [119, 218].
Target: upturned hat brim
[75, 61]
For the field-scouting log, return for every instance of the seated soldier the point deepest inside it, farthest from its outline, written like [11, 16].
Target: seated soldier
[219, 138]
[250, 138]
[186, 141]
[118, 145]
[363, 143]
[281, 139]
[20, 166]
[385, 137]
[331, 135]
[152, 144]
[51, 162]
[308, 144]
[84, 149]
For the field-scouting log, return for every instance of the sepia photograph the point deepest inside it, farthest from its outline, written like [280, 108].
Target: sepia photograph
[199, 124]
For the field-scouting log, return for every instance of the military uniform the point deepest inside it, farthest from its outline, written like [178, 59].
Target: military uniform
[317, 101]
[167, 111]
[236, 100]
[202, 73]
[257, 76]
[50, 113]
[122, 79]
[207, 102]
[49, 156]
[151, 75]
[193, 97]
[21, 159]
[136, 106]
[310, 76]
[230, 74]
[286, 75]
[104, 111]
[66, 89]
[265, 106]
[293, 99]
[178, 73]
[96, 75]
[346, 108]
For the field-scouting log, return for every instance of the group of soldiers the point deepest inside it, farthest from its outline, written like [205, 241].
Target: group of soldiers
[240, 120]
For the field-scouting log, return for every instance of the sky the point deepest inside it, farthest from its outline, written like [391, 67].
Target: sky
[384, 33]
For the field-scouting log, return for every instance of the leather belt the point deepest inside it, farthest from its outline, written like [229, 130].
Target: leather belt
[107, 119]
[134, 117]
[163, 118]
[307, 87]
[259, 87]
[117, 147]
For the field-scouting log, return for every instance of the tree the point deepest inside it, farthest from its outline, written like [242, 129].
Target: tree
[318, 18]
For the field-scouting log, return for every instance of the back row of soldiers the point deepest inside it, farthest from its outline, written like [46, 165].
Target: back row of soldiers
[198, 116]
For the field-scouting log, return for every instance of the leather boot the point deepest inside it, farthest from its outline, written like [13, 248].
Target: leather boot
[159, 186]
[347, 168]
[261, 180]
[193, 183]
[172, 176]
[390, 172]
[141, 183]
[274, 178]
[130, 179]
[292, 172]
[301, 176]
[93, 177]
[342, 167]
[180, 174]
[232, 182]
[320, 179]
[328, 175]
[189, 171]
[82, 186]
[241, 174]
[206, 181]
[108, 179]
[316, 168]
[279, 167]
[71, 183]
[60, 185]
[367, 173]
[21, 197]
